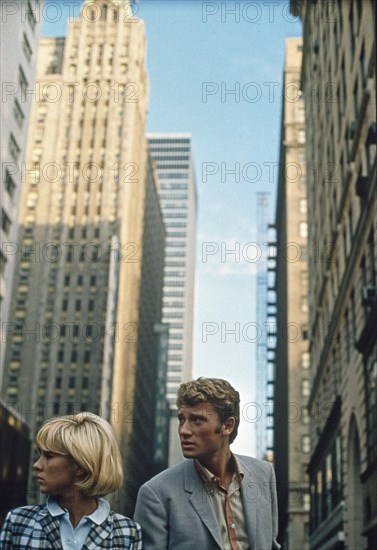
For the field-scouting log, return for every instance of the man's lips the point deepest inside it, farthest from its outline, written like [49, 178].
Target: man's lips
[187, 443]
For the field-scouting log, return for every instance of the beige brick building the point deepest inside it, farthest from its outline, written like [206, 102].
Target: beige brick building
[88, 289]
[339, 85]
[291, 420]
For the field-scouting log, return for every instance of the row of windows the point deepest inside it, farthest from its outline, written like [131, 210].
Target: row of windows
[175, 244]
[172, 305]
[175, 205]
[175, 215]
[153, 150]
[173, 166]
[178, 196]
[178, 234]
[175, 253]
[173, 158]
[326, 484]
[175, 264]
[175, 224]
[173, 141]
[173, 294]
[173, 175]
[173, 186]
[179, 274]
[170, 283]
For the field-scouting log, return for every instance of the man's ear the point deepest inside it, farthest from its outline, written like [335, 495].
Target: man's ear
[229, 425]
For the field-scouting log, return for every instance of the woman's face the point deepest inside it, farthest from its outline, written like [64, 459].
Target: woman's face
[56, 473]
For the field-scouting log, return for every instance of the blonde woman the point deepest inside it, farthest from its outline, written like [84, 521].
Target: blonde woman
[79, 464]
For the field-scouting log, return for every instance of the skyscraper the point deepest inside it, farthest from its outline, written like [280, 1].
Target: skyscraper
[292, 383]
[89, 269]
[20, 25]
[339, 85]
[172, 154]
[264, 366]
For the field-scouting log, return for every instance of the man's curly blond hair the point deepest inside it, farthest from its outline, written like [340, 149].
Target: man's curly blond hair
[216, 391]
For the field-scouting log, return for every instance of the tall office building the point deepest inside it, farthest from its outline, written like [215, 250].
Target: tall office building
[89, 273]
[339, 84]
[19, 31]
[292, 384]
[173, 156]
[263, 351]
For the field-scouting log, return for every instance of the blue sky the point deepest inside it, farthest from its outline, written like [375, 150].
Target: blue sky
[198, 52]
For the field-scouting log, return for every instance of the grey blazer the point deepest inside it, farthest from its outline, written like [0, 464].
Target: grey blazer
[175, 512]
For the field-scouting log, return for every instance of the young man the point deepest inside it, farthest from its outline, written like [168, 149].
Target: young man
[214, 499]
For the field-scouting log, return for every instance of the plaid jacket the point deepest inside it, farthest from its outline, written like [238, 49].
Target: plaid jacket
[33, 527]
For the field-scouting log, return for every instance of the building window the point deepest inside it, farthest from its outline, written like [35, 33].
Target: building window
[303, 206]
[305, 387]
[303, 230]
[13, 148]
[5, 221]
[301, 136]
[305, 444]
[30, 15]
[18, 114]
[3, 261]
[372, 405]
[304, 304]
[10, 186]
[22, 80]
[305, 360]
[26, 47]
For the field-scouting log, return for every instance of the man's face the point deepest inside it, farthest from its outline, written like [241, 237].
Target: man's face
[201, 433]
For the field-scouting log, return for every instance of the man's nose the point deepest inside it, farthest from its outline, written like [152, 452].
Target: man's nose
[184, 428]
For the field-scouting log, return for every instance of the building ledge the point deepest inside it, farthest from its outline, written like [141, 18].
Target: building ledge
[330, 532]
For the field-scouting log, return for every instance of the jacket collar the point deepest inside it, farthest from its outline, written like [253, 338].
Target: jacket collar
[98, 534]
[51, 528]
[199, 499]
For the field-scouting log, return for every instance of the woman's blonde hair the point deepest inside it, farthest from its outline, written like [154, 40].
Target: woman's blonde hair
[91, 443]
[224, 398]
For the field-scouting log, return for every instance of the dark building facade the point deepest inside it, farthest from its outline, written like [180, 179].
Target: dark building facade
[14, 460]
[339, 84]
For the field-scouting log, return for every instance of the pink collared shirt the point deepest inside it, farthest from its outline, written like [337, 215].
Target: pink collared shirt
[228, 507]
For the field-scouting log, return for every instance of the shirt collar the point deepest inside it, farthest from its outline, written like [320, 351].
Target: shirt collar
[208, 476]
[98, 516]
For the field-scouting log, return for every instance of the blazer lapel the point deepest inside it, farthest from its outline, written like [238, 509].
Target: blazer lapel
[249, 491]
[98, 534]
[51, 530]
[199, 499]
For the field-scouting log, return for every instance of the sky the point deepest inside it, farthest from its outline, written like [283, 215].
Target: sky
[215, 71]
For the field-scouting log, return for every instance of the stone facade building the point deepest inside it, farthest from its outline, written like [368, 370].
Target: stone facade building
[339, 86]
